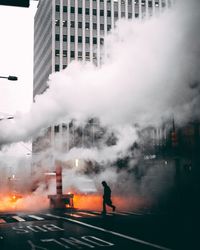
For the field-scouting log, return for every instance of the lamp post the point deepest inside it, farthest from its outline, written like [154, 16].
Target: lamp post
[11, 78]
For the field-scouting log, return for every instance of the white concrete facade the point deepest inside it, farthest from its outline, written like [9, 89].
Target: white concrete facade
[67, 30]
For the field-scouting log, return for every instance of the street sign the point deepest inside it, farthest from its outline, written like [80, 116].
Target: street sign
[19, 3]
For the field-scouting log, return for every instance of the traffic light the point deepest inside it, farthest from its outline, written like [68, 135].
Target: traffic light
[174, 139]
[19, 3]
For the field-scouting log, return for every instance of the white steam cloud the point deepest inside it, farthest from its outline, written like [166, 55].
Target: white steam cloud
[151, 70]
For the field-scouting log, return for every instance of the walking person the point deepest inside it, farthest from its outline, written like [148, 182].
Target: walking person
[107, 198]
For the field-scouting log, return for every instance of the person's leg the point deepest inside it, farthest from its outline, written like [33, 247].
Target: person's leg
[104, 207]
[109, 203]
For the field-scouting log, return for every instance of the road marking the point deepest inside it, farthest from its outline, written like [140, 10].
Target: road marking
[111, 232]
[119, 213]
[87, 213]
[97, 212]
[2, 221]
[133, 213]
[74, 215]
[35, 217]
[18, 218]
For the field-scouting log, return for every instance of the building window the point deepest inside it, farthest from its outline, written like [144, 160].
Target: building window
[87, 26]
[57, 52]
[64, 38]
[56, 129]
[101, 26]
[101, 12]
[64, 8]
[109, 13]
[143, 3]
[87, 39]
[150, 3]
[80, 53]
[115, 14]
[94, 55]
[129, 15]
[72, 39]
[79, 39]
[94, 40]
[72, 54]
[80, 25]
[64, 53]
[94, 26]
[101, 41]
[57, 67]
[64, 23]
[136, 15]
[123, 14]
[72, 10]
[57, 22]
[79, 10]
[57, 8]
[108, 27]
[72, 24]
[94, 11]
[64, 66]
[87, 54]
[87, 11]
[57, 37]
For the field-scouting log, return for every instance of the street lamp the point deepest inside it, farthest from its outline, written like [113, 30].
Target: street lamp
[11, 78]
[7, 118]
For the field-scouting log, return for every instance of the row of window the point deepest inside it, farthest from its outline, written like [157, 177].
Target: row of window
[80, 11]
[87, 10]
[80, 25]
[72, 54]
[72, 39]
[72, 9]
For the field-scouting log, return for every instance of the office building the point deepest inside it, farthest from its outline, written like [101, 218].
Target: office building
[67, 30]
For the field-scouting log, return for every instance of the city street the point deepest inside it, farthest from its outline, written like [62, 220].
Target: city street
[100, 124]
[89, 229]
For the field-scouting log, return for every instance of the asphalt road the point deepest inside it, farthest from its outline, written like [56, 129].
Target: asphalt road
[56, 230]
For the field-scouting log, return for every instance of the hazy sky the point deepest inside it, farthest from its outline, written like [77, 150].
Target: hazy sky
[16, 57]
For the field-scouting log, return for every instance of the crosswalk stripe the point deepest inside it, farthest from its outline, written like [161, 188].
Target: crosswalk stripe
[88, 213]
[18, 218]
[97, 212]
[73, 215]
[132, 213]
[2, 221]
[35, 217]
[119, 213]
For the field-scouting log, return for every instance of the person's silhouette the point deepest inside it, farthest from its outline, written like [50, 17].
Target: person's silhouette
[107, 197]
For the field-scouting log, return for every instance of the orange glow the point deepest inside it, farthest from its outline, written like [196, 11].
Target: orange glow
[94, 202]
[16, 202]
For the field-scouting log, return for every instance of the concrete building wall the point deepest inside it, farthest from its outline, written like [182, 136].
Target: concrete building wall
[67, 30]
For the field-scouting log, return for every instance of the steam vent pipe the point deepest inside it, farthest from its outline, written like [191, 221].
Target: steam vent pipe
[59, 180]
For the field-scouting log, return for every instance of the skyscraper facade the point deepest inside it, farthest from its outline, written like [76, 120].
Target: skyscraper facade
[67, 30]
